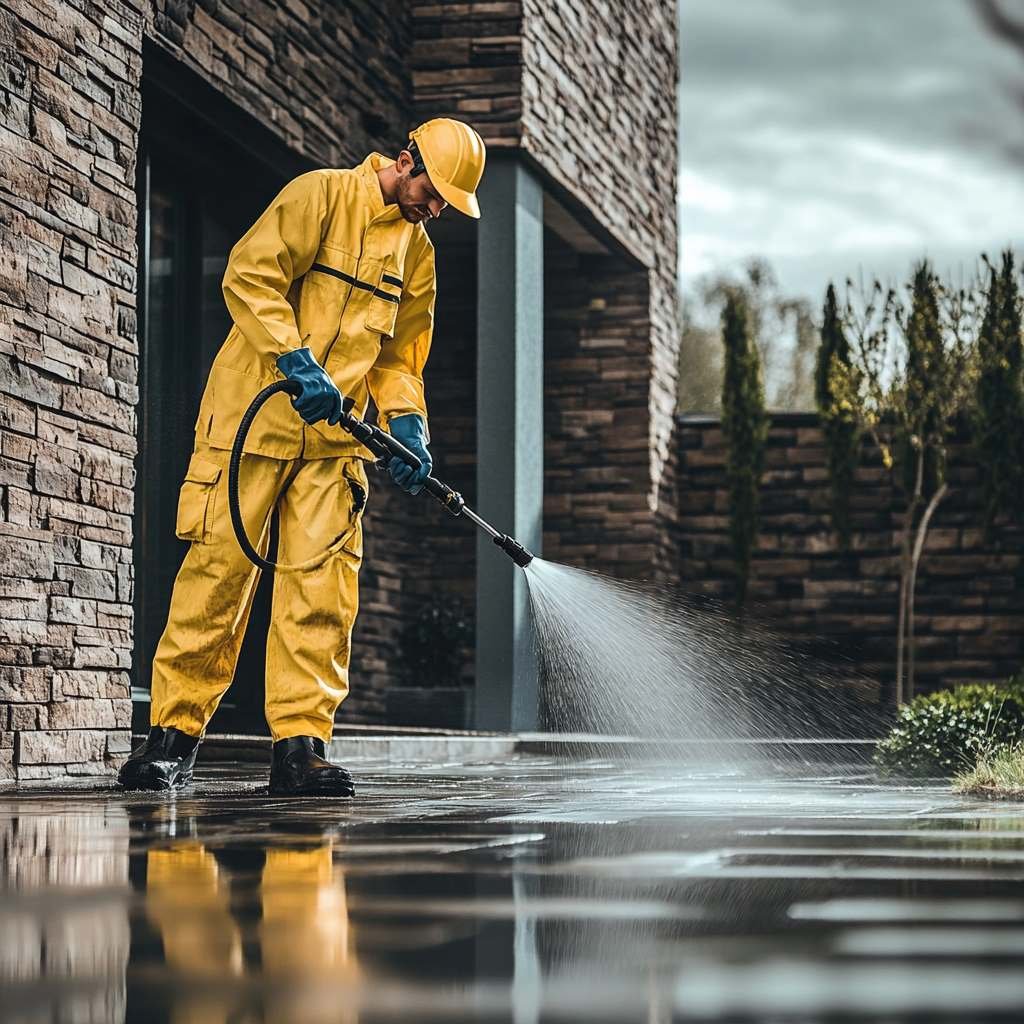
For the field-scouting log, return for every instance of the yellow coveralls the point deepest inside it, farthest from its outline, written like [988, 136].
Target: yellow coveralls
[331, 267]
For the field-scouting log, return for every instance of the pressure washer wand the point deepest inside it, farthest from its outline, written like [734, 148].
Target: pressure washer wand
[384, 447]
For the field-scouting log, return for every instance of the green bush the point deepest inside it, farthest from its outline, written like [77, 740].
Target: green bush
[947, 732]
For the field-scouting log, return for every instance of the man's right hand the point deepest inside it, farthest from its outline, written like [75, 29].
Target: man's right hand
[320, 398]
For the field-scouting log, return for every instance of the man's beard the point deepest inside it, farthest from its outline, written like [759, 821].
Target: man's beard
[411, 211]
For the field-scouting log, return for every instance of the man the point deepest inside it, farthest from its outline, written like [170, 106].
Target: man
[333, 287]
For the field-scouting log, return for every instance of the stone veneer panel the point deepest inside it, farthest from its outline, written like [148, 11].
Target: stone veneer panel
[599, 115]
[596, 389]
[68, 365]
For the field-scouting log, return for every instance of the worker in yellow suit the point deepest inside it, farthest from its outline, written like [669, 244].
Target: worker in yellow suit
[333, 288]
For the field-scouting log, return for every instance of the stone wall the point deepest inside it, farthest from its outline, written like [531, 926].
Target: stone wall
[68, 365]
[970, 595]
[331, 79]
[417, 556]
[466, 62]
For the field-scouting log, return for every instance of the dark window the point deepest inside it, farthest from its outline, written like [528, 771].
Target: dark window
[206, 170]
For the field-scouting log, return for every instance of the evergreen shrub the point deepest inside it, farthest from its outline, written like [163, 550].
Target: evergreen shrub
[943, 733]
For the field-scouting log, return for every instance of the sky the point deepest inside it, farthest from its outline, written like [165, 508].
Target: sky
[838, 137]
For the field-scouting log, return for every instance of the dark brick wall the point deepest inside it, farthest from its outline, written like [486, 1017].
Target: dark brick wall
[596, 390]
[970, 595]
[466, 62]
[331, 79]
[588, 93]
[417, 554]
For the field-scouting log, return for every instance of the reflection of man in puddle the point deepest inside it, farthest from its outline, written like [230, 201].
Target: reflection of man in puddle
[333, 289]
[306, 946]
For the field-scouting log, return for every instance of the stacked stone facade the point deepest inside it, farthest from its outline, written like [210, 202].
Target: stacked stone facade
[970, 594]
[467, 60]
[599, 116]
[588, 94]
[596, 414]
[68, 369]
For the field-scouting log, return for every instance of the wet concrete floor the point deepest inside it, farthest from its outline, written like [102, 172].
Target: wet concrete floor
[529, 890]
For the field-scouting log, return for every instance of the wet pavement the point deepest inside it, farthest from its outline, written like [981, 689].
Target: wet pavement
[528, 890]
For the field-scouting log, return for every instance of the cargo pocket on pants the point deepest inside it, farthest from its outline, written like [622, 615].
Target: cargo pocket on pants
[197, 500]
[354, 473]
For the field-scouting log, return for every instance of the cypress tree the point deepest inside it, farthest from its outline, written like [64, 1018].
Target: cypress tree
[842, 435]
[925, 360]
[745, 427]
[999, 414]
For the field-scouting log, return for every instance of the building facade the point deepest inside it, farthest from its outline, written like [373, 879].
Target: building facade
[140, 139]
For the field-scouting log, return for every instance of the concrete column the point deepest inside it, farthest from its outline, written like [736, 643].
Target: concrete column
[510, 435]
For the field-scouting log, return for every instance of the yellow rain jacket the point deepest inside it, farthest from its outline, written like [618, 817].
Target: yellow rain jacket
[330, 267]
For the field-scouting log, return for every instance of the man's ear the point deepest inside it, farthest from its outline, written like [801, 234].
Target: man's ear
[404, 163]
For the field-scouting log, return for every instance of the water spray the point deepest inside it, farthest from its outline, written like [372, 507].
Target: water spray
[384, 447]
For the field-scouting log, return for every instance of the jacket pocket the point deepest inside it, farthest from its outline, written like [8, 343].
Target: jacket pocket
[197, 500]
[384, 300]
[324, 294]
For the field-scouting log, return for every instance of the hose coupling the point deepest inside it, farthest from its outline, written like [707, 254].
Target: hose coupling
[454, 503]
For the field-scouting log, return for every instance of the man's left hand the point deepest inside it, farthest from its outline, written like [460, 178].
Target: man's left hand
[411, 431]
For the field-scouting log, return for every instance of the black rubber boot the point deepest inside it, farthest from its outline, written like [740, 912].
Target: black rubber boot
[164, 761]
[300, 768]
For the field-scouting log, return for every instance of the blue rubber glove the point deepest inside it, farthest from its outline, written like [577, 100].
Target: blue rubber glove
[412, 432]
[320, 398]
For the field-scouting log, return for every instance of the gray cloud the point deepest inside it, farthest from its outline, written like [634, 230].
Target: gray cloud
[816, 132]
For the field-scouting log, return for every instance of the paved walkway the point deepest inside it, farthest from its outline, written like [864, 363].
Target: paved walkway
[528, 890]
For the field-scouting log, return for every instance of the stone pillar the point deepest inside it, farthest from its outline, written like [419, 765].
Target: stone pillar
[510, 435]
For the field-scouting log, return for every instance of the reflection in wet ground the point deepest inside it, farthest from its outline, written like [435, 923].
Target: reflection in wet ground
[527, 891]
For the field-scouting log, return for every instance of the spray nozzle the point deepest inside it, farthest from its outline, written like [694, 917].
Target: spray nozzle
[514, 550]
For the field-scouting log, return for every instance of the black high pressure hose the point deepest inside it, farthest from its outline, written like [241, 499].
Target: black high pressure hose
[384, 447]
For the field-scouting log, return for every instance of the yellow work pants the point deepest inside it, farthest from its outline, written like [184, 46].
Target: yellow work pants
[306, 942]
[320, 505]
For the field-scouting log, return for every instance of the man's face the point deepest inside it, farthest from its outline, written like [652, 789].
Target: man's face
[416, 197]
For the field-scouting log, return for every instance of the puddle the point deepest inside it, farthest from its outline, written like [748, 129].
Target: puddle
[531, 890]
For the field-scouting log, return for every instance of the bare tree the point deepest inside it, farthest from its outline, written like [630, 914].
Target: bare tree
[910, 377]
[1009, 27]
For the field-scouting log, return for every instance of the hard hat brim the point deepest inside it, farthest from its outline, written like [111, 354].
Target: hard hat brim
[464, 202]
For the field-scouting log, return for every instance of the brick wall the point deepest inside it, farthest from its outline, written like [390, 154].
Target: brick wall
[416, 554]
[596, 391]
[970, 596]
[331, 79]
[68, 364]
[466, 62]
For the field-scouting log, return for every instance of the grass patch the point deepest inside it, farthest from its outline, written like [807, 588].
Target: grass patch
[997, 774]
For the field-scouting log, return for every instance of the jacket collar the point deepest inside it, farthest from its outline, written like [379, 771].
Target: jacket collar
[368, 174]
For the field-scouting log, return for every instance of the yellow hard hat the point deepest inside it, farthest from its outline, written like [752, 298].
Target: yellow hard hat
[454, 156]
